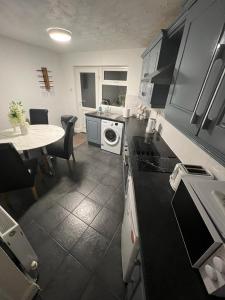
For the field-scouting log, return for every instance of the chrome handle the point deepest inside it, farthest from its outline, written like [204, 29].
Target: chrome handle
[217, 55]
[206, 121]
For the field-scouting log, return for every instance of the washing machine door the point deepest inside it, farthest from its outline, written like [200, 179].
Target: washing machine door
[111, 136]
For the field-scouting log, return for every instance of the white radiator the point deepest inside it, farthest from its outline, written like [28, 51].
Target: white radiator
[13, 236]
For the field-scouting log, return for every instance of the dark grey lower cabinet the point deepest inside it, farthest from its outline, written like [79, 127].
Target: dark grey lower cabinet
[93, 127]
[139, 292]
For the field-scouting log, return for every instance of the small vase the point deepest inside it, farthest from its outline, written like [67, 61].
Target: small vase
[24, 129]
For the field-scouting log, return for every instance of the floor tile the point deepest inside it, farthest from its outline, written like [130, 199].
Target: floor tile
[117, 237]
[110, 272]
[96, 291]
[52, 217]
[50, 255]
[35, 234]
[111, 181]
[116, 203]
[90, 248]
[62, 186]
[87, 210]
[69, 231]
[86, 186]
[70, 200]
[69, 281]
[69, 251]
[106, 222]
[117, 173]
[101, 193]
[95, 173]
[37, 209]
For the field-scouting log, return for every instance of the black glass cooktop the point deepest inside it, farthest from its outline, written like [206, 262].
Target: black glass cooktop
[153, 158]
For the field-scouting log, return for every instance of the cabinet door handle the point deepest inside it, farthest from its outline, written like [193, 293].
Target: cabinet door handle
[217, 55]
[206, 121]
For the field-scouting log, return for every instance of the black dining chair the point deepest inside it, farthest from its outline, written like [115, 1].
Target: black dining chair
[15, 173]
[64, 147]
[38, 116]
[65, 119]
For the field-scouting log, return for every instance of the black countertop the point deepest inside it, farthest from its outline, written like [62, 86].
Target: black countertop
[106, 116]
[167, 271]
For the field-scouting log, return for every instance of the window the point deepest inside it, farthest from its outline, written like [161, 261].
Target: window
[88, 94]
[113, 86]
[115, 75]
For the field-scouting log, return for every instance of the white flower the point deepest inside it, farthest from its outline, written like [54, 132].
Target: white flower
[16, 113]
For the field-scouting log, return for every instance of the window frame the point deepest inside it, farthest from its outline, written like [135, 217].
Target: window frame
[111, 82]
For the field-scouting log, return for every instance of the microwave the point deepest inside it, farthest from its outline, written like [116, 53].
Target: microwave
[199, 208]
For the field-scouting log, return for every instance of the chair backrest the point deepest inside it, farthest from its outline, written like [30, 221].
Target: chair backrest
[68, 139]
[14, 174]
[38, 116]
[65, 119]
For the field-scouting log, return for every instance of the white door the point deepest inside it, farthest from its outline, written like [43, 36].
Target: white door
[87, 91]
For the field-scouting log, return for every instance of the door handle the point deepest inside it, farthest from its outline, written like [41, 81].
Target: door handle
[218, 54]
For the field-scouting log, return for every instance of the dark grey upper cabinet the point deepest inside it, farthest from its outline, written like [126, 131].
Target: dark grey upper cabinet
[197, 66]
[212, 130]
[150, 62]
[158, 65]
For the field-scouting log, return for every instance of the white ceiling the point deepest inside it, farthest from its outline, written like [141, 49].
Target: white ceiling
[95, 24]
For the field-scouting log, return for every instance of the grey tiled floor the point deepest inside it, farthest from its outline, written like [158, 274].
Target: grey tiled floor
[75, 227]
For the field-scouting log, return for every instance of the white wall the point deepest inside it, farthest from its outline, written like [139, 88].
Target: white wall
[19, 81]
[130, 58]
[187, 151]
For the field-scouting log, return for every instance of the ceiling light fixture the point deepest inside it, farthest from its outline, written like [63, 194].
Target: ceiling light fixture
[59, 34]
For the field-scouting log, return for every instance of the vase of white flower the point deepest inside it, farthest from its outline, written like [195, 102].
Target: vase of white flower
[17, 116]
[24, 128]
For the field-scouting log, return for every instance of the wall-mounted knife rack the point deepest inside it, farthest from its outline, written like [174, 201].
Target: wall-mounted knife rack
[46, 82]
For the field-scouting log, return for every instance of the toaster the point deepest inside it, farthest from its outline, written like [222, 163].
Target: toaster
[182, 170]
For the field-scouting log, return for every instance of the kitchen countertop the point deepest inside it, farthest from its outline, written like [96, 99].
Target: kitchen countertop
[167, 271]
[107, 116]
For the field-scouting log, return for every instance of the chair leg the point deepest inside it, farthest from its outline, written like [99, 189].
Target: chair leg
[39, 174]
[34, 192]
[47, 162]
[74, 160]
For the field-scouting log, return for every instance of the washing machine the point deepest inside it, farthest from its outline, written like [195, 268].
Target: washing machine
[111, 136]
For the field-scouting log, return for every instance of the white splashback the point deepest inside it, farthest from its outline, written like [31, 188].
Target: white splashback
[186, 150]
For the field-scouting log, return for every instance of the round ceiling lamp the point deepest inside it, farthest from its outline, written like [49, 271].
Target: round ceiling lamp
[59, 34]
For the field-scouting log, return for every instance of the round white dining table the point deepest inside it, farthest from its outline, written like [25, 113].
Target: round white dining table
[38, 136]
